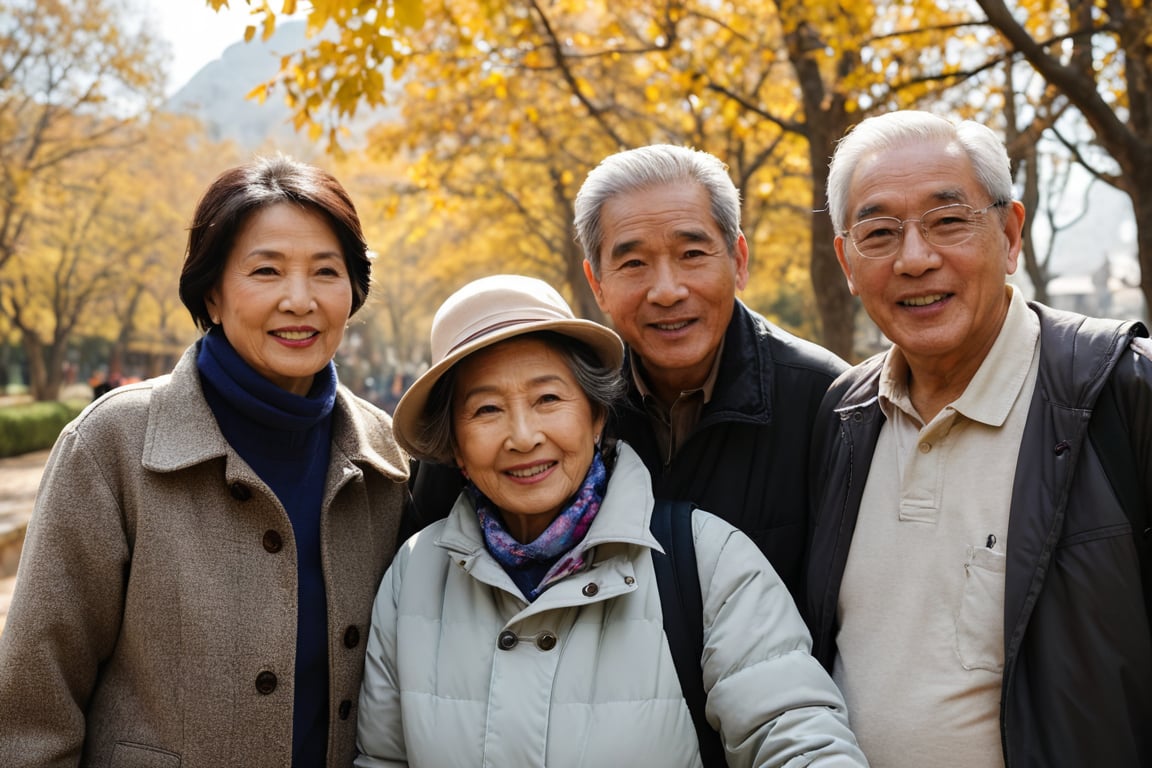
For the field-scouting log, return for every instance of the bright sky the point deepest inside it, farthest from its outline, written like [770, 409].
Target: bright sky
[196, 33]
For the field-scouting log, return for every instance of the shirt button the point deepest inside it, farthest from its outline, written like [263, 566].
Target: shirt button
[345, 709]
[240, 492]
[272, 541]
[507, 640]
[266, 682]
[925, 447]
[629, 580]
[546, 641]
[590, 590]
[351, 636]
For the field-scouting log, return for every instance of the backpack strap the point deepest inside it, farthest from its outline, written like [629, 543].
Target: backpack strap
[1108, 431]
[682, 607]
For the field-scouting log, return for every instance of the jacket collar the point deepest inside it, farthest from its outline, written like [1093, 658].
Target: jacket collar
[624, 515]
[182, 431]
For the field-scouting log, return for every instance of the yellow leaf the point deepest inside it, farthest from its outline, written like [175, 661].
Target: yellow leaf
[409, 13]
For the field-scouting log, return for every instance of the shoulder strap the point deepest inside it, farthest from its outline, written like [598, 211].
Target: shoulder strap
[678, 582]
[1108, 431]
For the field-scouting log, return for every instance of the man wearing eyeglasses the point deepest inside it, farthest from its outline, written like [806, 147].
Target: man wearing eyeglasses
[978, 567]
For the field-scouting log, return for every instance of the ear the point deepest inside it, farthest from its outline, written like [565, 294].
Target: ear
[212, 304]
[741, 257]
[1014, 231]
[598, 425]
[594, 284]
[845, 267]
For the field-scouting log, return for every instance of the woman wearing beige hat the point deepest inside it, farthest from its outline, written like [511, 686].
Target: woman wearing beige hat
[526, 628]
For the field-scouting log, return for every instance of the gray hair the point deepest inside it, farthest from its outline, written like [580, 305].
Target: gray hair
[601, 384]
[643, 168]
[984, 148]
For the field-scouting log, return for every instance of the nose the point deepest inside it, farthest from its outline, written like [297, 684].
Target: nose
[916, 255]
[298, 298]
[666, 288]
[523, 431]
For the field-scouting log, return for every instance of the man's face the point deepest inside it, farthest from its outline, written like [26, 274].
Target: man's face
[668, 281]
[943, 306]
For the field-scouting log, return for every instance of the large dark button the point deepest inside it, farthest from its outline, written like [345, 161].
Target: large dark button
[507, 640]
[240, 492]
[345, 709]
[266, 682]
[546, 641]
[272, 541]
[590, 590]
[351, 636]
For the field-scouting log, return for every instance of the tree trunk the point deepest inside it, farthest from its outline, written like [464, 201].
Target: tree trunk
[834, 301]
[1142, 209]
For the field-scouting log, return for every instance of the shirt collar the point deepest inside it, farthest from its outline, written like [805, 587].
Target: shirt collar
[708, 387]
[989, 397]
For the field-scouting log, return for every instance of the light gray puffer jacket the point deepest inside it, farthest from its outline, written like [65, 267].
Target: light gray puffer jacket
[462, 671]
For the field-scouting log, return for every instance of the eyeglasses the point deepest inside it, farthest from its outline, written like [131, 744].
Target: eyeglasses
[943, 227]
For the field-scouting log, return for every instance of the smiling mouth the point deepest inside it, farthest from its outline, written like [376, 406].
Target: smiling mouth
[923, 301]
[671, 326]
[294, 335]
[531, 471]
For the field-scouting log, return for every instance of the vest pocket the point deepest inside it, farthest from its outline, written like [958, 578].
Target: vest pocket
[980, 619]
[128, 755]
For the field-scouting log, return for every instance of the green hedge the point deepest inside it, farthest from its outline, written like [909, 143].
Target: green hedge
[34, 426]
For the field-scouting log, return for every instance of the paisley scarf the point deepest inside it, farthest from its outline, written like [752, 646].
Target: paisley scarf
[538, 564]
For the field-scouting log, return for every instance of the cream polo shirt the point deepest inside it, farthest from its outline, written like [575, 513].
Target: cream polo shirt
[921, 611]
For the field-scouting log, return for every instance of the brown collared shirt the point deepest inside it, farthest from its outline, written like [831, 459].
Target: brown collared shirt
[672, 425]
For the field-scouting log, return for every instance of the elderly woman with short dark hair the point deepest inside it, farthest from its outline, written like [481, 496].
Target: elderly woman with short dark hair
[199, 569]
[526, 629]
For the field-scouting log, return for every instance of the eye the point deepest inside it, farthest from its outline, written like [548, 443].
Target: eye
[694, 253]
[877, 229]
[265, 270]
[950, 220]
[329, 272]
[549, 397]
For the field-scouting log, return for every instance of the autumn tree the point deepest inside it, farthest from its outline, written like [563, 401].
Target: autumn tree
[506, 106]
[71, 83]
[1098, 56]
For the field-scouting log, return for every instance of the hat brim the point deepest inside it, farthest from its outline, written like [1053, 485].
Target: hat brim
[409, 420]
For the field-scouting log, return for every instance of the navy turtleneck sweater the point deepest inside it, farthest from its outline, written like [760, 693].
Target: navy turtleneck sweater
[285, 438]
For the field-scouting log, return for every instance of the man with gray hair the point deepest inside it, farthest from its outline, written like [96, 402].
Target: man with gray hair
[720, 402]
[978, 572]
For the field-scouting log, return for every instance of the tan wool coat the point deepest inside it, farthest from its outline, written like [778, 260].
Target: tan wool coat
[154, 619]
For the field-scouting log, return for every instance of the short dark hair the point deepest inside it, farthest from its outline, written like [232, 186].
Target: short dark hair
[239, 192]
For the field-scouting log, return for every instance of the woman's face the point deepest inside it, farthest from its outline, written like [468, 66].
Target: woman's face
[285, 295]
[524, 431]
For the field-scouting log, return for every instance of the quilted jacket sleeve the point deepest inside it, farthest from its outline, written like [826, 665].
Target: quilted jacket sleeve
[379, 730]
[771, 701]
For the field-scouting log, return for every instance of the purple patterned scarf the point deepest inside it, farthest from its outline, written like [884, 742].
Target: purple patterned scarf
[538, 564]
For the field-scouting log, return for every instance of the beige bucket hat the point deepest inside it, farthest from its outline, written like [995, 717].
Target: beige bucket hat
[480, 314]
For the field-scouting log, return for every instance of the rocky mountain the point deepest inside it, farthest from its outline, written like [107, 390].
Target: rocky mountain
[217, 94]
